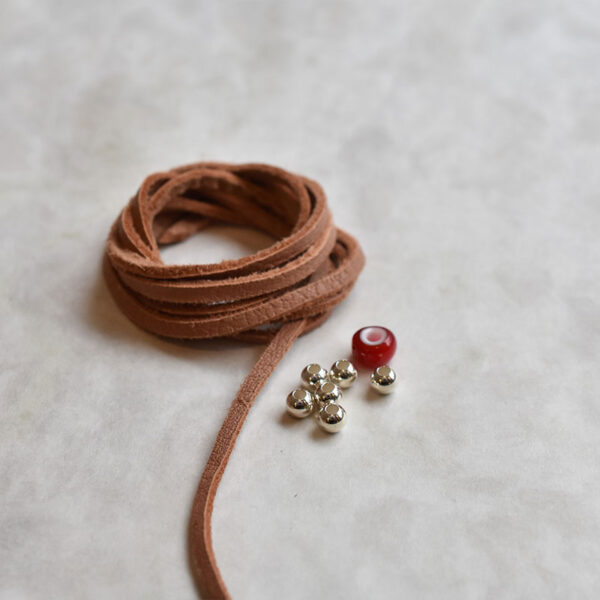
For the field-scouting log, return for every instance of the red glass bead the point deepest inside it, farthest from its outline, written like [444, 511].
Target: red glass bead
[373, 346]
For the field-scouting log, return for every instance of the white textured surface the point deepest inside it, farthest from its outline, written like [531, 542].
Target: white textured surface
[460, 142]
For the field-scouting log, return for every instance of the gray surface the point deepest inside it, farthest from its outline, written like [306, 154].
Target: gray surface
[459, 142]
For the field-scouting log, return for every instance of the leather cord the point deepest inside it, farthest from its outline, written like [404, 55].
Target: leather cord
[269, 297]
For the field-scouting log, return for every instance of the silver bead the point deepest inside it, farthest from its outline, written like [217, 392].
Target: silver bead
[300, 403]
[332, 417]
[328, 392]
[313, 374]
[342, 373]
[383, 379]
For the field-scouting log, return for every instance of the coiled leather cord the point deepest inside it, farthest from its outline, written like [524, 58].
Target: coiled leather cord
[270, 297]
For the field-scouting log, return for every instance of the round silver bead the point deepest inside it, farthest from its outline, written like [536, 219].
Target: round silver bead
[332, 417]
[342, 373]
[383, 379]
[300, 403]
[313, 374]
[328, 392]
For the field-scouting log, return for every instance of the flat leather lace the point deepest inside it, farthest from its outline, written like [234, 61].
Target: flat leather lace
[271, 297]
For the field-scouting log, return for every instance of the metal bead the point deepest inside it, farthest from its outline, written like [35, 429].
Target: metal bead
[328, 392]
[383, 379]
[313, 374]
[332, 417]
[342, 373]
[300, 403]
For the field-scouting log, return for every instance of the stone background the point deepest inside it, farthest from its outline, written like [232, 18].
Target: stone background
[459, 141]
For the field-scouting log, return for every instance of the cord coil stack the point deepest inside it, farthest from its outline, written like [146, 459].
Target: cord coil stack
[272, 296]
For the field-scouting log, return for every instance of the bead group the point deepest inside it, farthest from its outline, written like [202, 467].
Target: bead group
[321, 394]
[323, 389]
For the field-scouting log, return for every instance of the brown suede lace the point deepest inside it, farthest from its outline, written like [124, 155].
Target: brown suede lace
[270, 297]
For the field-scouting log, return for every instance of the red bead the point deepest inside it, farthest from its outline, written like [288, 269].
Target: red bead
[373, 346]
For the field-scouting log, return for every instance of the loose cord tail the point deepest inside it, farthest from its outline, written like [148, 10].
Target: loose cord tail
[204, 564]
[269, 297]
